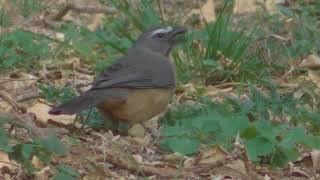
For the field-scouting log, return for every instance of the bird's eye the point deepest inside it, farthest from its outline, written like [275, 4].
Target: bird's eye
[160, 35]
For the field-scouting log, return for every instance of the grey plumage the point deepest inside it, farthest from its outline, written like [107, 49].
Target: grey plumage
[146, 65]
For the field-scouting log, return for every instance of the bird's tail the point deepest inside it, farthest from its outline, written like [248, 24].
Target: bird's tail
[88, 99]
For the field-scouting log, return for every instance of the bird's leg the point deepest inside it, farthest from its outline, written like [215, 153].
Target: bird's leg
[84, 122]
[117, 127]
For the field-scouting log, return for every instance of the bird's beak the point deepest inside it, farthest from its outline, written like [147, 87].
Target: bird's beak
[176, 32]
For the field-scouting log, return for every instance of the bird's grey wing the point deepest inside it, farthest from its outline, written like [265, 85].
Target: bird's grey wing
[144, 71]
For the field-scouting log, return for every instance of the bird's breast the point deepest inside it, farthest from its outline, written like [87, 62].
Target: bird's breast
[141, 105]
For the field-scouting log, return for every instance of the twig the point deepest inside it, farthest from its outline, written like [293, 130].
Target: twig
[5, 80]
[226, 84]
[79, 8]
[26, 121]
[9, 163]
[126, 161]
[84, 71]
[115, 159]
[28, 95]
[202, 168]
[23, 120]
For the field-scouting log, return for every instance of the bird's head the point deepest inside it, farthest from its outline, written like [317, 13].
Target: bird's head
[160, 40]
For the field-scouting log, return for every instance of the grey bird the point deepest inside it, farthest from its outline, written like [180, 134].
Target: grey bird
[138, 86]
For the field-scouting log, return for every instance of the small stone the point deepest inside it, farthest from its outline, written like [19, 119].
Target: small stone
[137, 130]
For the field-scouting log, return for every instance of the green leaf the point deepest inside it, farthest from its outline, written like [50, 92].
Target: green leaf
[43, 155]
[258, 147]
[182, 145]
[268, 130]
[53, 144]
[312, 141]
[283, 155]
[174, 131]
[232, 125]
[66, 172]
[4, 139]
[27, 150]
[292, 137]
[249, 133]
[206, 122]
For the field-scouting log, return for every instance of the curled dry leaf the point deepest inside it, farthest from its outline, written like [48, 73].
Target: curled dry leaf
[213, 155]
[248, 6]
[7, 167]
[37, 163]
[96, 20]
[208, 11]
[298, 172]
[41, 111]
[138, 158]
[266, 177]
[212, 91]
[43, 174]
[189, 162]
[174, 158]
[216, 154]
[238, 165]
[315, 157]
[4, 107]
[312, 63]
[14, 84]
[5, 161]
[314, 76]
[59, 36]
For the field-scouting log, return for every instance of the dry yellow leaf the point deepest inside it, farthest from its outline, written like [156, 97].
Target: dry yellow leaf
[248, 6]
[4, 107]
[312, 62]
[41, 111]
[18, 83]
[238, 165]
[96, 20]
[314, 76]
[5, 161]
[37, 163]
[208, 11]
[315, 156]
[43, 174]
[212, 91]
[214, 154]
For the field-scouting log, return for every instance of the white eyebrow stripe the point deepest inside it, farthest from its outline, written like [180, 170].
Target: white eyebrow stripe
[162, 30]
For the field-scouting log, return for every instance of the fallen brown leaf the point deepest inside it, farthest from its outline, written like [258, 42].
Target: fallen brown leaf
[41, 111]
[315, 157]
[5, 161]
[17, 82]
[238, 165]
[312, 62]
[249, 6]
[208, 11]
[213, 155]
[43, 174]
[212, 91]
[37, 163]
